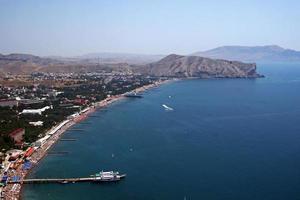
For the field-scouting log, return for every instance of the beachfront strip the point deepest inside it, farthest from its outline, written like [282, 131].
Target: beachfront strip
[17, 169]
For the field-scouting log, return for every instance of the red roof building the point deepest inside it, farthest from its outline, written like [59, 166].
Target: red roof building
[80, 101]
[29, 152]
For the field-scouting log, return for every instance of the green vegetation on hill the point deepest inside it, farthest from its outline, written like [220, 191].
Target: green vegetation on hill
[11, 120]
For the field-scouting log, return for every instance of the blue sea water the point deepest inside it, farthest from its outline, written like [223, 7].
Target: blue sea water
[225, 139]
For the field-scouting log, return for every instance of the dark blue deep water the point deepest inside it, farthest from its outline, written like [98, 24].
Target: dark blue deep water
[226, 139]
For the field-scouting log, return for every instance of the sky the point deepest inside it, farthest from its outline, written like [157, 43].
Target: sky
[77, 27]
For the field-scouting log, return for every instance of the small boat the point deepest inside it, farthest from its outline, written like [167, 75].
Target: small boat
[64, 182]
[133, 95]
[110, 176]
[167, 107]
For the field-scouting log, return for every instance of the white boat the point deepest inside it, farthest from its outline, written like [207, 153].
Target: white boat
[108, 176]
[167, 107]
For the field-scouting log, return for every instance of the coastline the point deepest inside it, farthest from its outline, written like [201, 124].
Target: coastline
[14, 191]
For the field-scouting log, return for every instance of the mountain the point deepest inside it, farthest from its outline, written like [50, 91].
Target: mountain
[119, 58]
[171, 66]
[26, 64]
[27, 58]
[271, 53]
[195, 66]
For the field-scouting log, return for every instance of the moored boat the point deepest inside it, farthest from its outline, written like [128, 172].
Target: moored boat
[110, 176]
[133, 95]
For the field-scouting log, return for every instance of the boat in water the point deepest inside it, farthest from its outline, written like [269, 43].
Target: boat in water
[167, 107]
[133, 95]
[110, 176]
[64, 182]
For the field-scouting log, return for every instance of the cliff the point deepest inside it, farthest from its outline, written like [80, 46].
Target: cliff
[194, 66]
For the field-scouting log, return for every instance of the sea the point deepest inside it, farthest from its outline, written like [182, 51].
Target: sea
[223, 139]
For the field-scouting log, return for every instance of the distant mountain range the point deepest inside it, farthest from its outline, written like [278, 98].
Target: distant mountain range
[170, 66]
[26, 64]
[122, 57]
[27, 58]
[218, 62]
[112, 58]
[271, 53]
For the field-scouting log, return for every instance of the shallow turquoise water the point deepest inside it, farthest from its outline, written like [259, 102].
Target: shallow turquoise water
[225, 139]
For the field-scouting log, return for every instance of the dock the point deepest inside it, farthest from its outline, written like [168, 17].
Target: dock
[62, 180]
[52, 180]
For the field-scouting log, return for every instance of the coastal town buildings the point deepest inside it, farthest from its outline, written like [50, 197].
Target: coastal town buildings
[36, 111]
[34, 115]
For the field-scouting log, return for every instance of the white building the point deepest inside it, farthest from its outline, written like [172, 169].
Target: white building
[35, 111]
[38, 123]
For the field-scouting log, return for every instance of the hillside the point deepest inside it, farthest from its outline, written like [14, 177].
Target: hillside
[26, 64]
[171, 66]
[271, 53]
[194, 66]
[119, 58]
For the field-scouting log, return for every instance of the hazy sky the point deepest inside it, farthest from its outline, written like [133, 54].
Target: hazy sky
[75, 27]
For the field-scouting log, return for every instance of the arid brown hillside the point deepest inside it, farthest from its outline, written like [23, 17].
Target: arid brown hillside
[194, 66]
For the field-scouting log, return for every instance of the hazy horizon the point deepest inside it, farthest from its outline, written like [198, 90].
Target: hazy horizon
[134, 53]
[73, 28]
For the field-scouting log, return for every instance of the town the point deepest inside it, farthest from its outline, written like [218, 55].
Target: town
[35, 109]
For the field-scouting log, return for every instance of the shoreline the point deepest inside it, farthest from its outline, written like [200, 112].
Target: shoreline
[14, 191]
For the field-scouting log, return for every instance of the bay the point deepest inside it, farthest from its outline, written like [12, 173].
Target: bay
[225, 139]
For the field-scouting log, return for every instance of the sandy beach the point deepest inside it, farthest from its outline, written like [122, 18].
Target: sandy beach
[13, 191]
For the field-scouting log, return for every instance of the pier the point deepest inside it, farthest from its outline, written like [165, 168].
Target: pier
[53, 180]
[63, 180]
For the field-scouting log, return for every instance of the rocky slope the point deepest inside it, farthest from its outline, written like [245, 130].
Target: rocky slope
[194, 66]
[170, 66]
